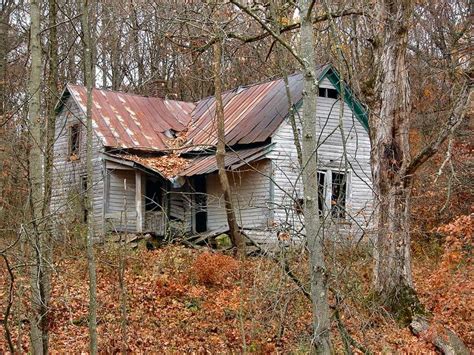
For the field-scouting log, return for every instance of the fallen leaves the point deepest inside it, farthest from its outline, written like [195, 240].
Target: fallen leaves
[167, 165]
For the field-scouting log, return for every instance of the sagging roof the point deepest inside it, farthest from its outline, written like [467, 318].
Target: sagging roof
[132, 121]
[171, 166]
[167, 166]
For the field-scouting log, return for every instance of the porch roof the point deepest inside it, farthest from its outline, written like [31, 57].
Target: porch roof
[233, 160]
[170, 166]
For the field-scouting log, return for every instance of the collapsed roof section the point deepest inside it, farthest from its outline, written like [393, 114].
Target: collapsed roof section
[172, 166]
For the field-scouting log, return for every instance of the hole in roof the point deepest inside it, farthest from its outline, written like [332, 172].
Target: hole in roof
[170, 133]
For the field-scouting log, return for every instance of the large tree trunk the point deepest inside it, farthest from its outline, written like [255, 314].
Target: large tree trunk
[89, 79]
[39, 285]
[319, 289]
[235, 235]
[390, 159]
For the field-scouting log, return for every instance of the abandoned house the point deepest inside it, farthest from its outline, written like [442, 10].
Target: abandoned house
[155, 168]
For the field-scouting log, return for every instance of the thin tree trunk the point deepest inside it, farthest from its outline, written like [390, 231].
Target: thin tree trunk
[319, 289]
[46, 220]
[38, 332]
[88, 76]
[235, 235]
[4, 49]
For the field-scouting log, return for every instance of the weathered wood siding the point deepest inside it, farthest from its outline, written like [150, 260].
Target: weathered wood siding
[251, 196]
[66, 201]
[181, 202]
[120, 198]
[355, 161]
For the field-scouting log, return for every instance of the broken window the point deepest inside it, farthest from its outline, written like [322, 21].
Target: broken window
[338, 195]
[299, 202]
[84, 197]
[321, 194]
[74, 141]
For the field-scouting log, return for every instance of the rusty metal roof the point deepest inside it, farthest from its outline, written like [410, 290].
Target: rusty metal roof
[252, 113]
[132, 121]
[233, 160]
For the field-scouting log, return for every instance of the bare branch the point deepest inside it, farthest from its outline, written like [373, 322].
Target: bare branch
[454, 121]
[269, 30]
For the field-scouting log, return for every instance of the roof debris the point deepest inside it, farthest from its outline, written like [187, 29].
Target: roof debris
[167, 165]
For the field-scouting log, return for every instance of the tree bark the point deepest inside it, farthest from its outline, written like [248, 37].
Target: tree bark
[235, 235]
[39, 286]
[391, 156]
[88, 76]
[319, 289]
[4, 49]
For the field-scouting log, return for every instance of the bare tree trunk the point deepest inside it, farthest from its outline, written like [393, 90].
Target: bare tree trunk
[390, 151]
[122, 268]
[88, 76]
[318, 272]
[38, 333]
[235, 235]
[390, 159]
[4, 48]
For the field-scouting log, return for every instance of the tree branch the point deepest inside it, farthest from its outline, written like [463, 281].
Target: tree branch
[269, 30]
[297, 25]
[455, 119]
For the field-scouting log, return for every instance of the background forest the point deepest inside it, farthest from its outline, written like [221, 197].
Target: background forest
[53, 288]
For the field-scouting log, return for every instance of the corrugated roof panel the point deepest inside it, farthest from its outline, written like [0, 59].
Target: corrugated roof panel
[132, 121]
[252, 114]
[233, 160]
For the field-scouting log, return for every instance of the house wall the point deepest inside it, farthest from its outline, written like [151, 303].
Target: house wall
[356, 161]
[251, 194]
[67, 200]
[181, 202]
[120, 197]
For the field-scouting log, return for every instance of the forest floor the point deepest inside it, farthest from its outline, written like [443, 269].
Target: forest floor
[184, 300]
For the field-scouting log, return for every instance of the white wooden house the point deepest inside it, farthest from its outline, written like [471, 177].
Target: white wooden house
[154, 159]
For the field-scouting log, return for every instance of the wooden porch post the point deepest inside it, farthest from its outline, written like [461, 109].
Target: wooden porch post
[138, 200]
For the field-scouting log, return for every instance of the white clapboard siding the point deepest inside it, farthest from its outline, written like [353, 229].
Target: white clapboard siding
[118, 197]
[250, 197]
[287, 179]
[67, 174]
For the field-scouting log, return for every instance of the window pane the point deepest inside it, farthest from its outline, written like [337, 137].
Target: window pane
[332, 93]
[338, 198]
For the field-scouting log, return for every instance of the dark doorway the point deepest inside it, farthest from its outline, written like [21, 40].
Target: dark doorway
[153, 194]
[200, 200]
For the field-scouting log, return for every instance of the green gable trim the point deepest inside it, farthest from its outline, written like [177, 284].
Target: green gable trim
[349, 98]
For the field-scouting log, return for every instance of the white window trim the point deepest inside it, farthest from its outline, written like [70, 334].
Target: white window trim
[328, 191]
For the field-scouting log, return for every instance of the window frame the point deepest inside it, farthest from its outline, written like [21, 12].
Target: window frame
[74, 154]
[327, 210]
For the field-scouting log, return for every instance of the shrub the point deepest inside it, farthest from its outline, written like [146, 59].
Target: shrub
[214, 269]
